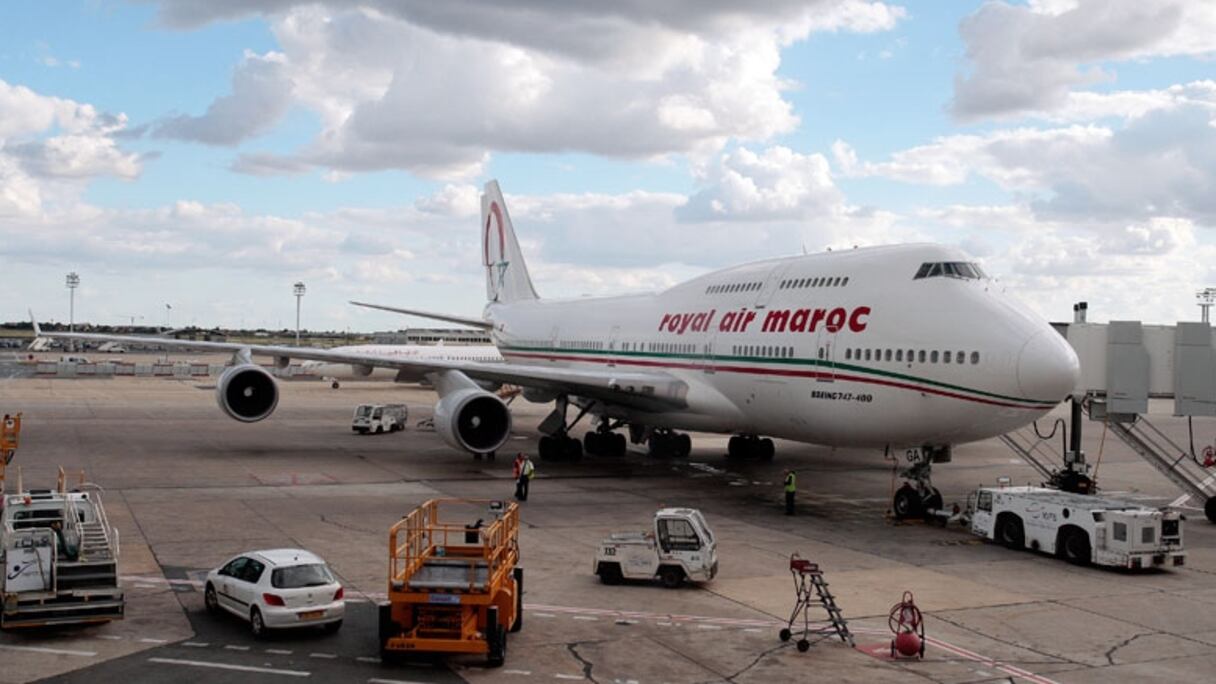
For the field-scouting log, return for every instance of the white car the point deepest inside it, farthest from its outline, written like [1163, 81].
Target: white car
[277, 589]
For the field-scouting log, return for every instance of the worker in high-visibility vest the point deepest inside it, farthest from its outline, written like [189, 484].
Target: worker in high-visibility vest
[791, 486]
[526, 472]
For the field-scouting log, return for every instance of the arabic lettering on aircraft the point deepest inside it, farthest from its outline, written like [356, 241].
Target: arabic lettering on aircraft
[776, 321]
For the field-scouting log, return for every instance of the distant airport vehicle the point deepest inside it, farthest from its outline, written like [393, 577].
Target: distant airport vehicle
[73, 358]
[277, 589]
[60, 556]
[454, 584]
[679, 547]
[909, 347]
[377, 418]
[334, 373]
[112, 348]
[1079, 528]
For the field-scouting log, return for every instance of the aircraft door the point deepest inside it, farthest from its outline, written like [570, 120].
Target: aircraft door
[614, 345]
[707, 353]
[825, 354]
[770, 286]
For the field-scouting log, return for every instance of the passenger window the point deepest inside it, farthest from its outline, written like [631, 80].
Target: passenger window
[848, 354]
[253, 571]
[920, 356]
[836, 282]
[899, 355]
[677, 535]
[960, 356]
[945, 357]
[886, 354]
[933, 356]
[975, 357]
[844, 282]
[867, 355]
[235, 568]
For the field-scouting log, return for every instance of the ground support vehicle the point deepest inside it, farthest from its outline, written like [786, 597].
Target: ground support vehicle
[1080, 528]
[277, 589]
[60, 556]
[454, 584]
[680, 547]
[377, 418]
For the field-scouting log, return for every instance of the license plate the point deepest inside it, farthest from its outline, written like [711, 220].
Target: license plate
[312, 614]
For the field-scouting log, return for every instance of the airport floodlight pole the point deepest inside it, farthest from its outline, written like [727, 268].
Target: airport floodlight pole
[73, 282]
[298, 289]
[1206, 297]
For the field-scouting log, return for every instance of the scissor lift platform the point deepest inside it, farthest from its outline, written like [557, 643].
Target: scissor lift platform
[454, 582]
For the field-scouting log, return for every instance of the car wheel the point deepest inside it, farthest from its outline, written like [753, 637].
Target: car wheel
[1075, 546]
[333, 627]
[671, 576]
[1010, 534]
[210, 600]
[256, 624]
[610, 573]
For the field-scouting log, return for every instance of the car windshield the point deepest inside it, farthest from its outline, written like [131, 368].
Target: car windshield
[298, 576]
[363, 411]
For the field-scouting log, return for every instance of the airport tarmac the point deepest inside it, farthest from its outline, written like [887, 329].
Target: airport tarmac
[188, 487]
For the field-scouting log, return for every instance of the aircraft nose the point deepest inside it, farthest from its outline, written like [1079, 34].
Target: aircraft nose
[1048, 368]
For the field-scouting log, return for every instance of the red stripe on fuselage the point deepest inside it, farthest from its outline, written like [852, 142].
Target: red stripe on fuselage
[784, 372]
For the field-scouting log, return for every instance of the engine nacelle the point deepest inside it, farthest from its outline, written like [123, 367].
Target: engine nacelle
[473, 420]
[247, 392]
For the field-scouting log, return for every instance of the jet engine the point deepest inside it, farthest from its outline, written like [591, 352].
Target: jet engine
[473, 419]
[247, 392]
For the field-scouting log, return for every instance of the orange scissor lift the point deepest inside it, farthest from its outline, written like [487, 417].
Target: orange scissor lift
[454, 587]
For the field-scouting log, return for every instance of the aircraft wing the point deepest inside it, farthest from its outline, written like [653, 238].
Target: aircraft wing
[651, 391]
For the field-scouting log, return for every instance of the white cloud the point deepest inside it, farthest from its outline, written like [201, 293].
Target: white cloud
[433, 88]
[261, 94]
[1029, 58]
[776, 184]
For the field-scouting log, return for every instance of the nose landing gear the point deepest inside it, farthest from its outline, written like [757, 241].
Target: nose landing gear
[918, 497]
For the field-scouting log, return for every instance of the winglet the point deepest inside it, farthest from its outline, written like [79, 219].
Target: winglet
[37, 328]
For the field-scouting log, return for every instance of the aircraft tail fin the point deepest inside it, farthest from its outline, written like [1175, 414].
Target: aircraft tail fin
[507, 278]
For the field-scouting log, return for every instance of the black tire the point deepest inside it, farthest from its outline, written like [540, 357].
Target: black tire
[592, 444]
[934, 501]
[519, 600]
[1074, 546]
[1209, 509]
[573, 450]
[685, 444]
[671, 576]
[734, 448]
[906, 503]
[765, 449]
[332, 627]
[610, 573]
[496, 639]
[210, 600]
[803, 645]
[333, 385]
[256, 624]
[1010, 533]
[784, 634]
[657, 446]
[388, 630]
[619, 445]
[547, 448]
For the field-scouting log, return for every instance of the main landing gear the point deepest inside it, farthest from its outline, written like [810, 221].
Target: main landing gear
[668, 443]
[558, 445]
[750, 446]
[917, 497]
[604, 442]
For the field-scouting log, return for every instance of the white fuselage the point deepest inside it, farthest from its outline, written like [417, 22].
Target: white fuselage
[838, 348]
[415, 352]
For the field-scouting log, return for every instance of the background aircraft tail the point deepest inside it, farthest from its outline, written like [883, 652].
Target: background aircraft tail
[507, 278]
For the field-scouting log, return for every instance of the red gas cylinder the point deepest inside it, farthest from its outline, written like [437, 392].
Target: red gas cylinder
[907, 644]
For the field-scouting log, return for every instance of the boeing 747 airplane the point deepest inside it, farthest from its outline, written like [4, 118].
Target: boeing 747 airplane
[896, 347]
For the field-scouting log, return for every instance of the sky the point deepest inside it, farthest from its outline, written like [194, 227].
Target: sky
[192, 159]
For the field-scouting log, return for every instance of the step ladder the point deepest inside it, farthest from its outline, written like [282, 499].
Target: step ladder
[1037, 453]
[810, 588]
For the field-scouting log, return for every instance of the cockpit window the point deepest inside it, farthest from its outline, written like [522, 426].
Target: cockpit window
[952, 269]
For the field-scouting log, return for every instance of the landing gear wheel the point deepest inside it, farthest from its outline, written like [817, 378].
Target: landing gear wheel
[1075, 547]
[906, 503]
[784, 634]
[573, 449]
[765, 449]
[735, 448]
[934, 501]
[672, 577]
[210, 601]
[1010, 534]
[1209, 509]
[547, 448]
[803, 645]
[619, 445]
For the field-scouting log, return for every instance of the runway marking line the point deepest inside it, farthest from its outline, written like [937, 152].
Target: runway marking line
[229, 666]
[51, 651]
[518, 672]
[279, 651]
[195, 644]
[149, 640]
[234, 647]
[566, 676]
[392, 681]
[367, 659]
[323, 656]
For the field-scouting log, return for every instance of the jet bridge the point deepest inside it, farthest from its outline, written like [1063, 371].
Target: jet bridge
[1123, 365]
